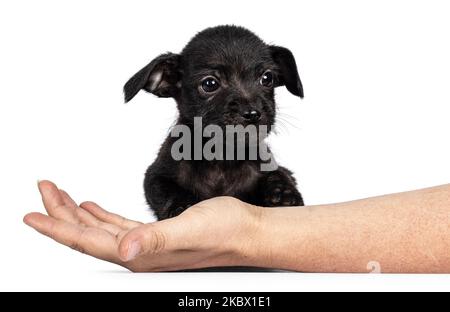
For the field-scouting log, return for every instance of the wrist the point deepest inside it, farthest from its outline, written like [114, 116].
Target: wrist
[258, 234]
[273, 236]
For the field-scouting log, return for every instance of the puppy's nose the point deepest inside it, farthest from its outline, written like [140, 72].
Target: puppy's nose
[252, 115]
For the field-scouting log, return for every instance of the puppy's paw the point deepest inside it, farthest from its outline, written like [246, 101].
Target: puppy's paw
[282, 195]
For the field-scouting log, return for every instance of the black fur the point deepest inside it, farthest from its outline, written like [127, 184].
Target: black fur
[238, 59]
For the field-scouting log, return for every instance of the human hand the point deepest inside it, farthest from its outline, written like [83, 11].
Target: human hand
[217, 232]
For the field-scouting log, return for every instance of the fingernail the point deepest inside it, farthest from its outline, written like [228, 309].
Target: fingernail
[133, 250]
[26, 220]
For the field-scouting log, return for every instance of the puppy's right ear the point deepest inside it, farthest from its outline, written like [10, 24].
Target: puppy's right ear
[161, 77]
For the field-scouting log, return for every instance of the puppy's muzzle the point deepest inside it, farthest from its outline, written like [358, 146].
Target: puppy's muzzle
[250, 113]
[252, 116]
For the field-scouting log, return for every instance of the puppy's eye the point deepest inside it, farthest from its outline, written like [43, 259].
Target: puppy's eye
[267, 79]
[210, 84]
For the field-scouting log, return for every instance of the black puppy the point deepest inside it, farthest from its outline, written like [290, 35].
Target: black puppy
[227, 76]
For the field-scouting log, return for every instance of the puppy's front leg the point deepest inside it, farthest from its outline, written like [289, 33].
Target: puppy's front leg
[279, 188]
[166, 198]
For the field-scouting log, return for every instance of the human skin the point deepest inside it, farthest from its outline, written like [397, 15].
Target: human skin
[399, 233]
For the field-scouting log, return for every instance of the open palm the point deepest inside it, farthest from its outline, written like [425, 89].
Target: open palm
[211, 233]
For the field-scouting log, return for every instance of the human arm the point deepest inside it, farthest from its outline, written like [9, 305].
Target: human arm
[407, 232]
[399, 233]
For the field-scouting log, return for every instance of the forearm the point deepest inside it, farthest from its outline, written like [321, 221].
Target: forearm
[406, 232]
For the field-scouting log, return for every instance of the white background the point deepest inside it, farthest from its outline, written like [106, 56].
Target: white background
[375, 119]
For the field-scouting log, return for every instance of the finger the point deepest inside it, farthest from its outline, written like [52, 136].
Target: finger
[109, 217]
[54, 202]
[84, 216]
[96, 243]
[87, 218]
[68, 201]
[167, 235]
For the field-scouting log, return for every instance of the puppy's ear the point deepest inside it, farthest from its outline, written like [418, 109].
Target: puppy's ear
[289, 76]
[161, 77]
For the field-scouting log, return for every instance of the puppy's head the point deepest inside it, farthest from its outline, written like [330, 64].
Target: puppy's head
[225, 74]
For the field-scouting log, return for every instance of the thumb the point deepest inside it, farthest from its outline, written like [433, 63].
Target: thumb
[151, 238]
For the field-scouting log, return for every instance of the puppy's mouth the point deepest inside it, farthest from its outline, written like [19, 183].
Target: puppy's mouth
[235, 120]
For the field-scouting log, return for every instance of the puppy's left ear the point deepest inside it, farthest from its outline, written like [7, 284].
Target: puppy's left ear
[289, 76]
[161, 77]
